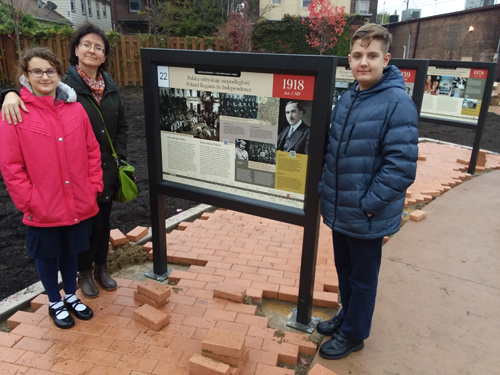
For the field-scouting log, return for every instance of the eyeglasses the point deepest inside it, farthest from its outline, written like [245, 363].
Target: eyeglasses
[38, 73]
[97, 48]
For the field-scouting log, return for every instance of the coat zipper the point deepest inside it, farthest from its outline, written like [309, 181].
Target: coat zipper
[349, 138]
[337, 159]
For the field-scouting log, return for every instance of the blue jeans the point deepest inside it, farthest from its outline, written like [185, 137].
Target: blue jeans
[358, 264]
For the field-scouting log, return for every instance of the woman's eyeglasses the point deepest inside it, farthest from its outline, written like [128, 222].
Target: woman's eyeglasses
[88, 46]
[38, 73]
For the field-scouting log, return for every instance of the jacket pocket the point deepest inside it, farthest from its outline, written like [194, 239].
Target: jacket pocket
[32, 205]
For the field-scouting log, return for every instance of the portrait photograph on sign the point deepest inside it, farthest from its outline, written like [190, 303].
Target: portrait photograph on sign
[247, 133]
[294, 126]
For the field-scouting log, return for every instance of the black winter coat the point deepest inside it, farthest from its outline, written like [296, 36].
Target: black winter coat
[113, 113]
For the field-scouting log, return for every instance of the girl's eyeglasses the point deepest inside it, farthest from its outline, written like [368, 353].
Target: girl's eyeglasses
[38, 73]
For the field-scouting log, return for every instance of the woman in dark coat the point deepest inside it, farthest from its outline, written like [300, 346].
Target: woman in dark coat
[101, 98]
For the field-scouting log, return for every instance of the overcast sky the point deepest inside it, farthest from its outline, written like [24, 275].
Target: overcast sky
[428, 7]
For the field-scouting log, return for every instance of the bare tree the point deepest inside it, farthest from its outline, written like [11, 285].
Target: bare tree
[14, 12]
[160, 16]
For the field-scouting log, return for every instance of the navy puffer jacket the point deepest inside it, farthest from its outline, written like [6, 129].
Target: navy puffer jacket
[371, 158]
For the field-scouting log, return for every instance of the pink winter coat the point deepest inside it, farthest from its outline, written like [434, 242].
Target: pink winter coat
[51, 162]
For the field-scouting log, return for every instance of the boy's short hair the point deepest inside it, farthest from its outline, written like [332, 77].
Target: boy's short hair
[370, 31]
[41, 52]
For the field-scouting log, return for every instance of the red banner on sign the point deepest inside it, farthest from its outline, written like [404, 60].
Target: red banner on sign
[293, 87]
[409, 75]
[478, 73]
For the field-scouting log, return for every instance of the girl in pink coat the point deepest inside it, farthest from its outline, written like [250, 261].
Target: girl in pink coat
[51, 166]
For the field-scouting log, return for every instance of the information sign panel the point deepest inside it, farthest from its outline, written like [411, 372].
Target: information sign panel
[454, 93]
[224, 131]
[413, 73]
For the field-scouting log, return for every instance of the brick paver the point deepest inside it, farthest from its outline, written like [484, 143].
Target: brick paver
[242, 252]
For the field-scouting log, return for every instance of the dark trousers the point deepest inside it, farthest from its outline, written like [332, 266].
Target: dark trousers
[358, 264]
[99, 239]
[48, 270]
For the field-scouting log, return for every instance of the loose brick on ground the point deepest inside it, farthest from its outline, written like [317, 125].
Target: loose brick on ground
[417, 215]
[218, 341]
[201, 365]
[137, 233]
[143, 299]
[233, 362]
[151, 317]
[229, 292]
[183, 225]
[117, 238]
[148, 246]
[177, 275]
[154, 290]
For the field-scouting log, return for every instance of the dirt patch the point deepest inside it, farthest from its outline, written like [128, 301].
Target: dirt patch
[126, 256]
[302, 366]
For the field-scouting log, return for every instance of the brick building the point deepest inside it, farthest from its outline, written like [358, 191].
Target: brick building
[468, 35]
[127, 18]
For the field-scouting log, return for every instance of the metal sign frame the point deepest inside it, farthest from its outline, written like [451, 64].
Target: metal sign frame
[323, 69]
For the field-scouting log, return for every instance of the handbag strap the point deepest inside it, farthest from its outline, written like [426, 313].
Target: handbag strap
[109, 138]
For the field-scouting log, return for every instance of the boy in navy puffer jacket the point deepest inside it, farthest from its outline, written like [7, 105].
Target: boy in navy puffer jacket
[370, 162]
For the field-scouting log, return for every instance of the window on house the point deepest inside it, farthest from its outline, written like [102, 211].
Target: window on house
[104, 11]
[97, 10]
[277, 2]
[134, 6]
[72, 4]
[363, 6]
[89, 3]
[306, 3]
[83, 6]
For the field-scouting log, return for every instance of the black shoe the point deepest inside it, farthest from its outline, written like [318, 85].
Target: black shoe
[340, 346]
[65, 323]
[329, 327]
[82, 315]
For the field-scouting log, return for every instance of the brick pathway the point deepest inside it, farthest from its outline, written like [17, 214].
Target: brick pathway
[226, 247]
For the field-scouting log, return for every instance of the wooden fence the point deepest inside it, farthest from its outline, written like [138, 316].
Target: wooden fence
[125, 58]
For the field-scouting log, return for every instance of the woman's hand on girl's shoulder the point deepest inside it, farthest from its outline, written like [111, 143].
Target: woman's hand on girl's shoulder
[10, 108]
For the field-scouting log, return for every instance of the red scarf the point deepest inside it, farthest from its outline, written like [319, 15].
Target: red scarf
[95, 85]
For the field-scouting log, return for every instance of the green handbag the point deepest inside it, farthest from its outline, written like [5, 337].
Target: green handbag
[127, 187]
[126, 181]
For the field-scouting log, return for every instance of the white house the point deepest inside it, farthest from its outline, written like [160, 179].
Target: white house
[77, 12]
